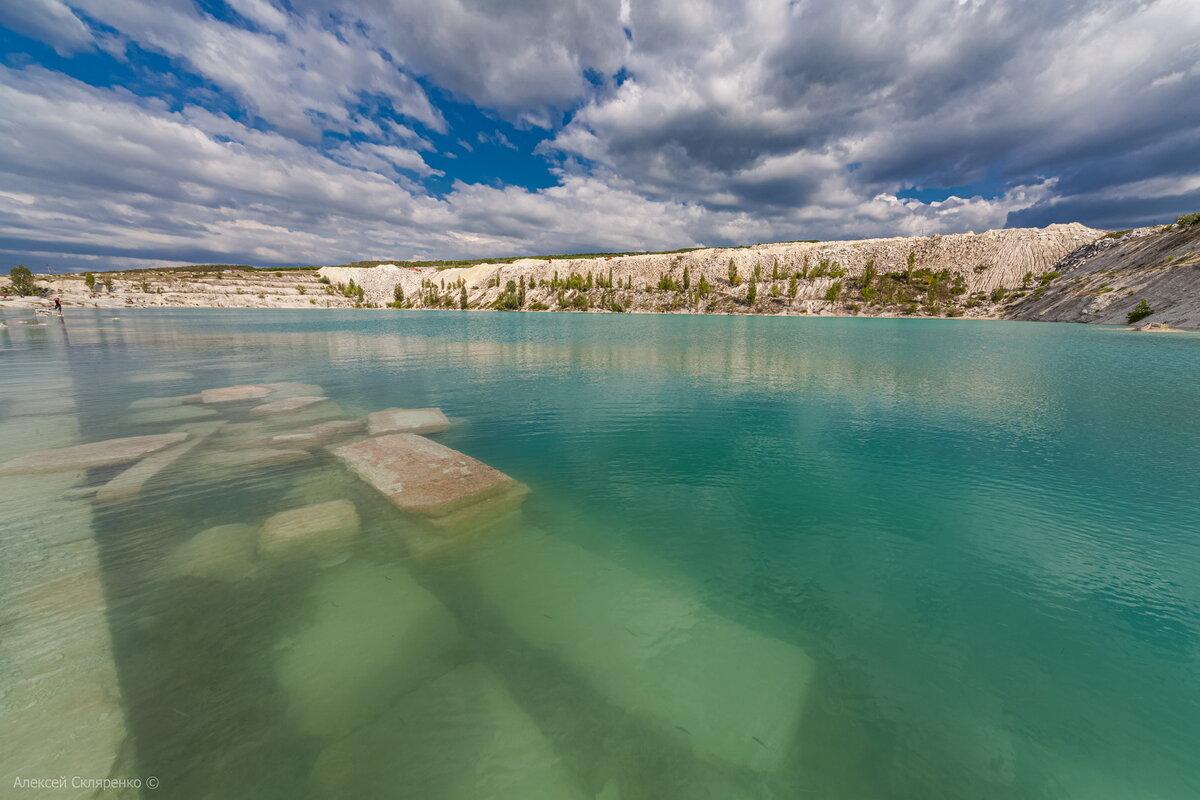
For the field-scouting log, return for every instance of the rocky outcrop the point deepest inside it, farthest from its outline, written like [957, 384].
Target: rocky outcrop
[1105, 280]
[957, 275]
[968, 267]
[230, 288]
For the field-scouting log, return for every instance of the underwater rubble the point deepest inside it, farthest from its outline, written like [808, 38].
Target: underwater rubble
[377, 664]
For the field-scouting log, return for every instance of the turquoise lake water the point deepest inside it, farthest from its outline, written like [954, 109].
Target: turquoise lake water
[760, 557]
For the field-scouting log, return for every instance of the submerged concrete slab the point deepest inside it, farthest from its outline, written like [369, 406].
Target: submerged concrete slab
[225, 553]
[160, 376]
[462, 735]
[89, 456]
[320, 434]
[129, 484]
[163, 402]
[171, 415]
[407, 420]
[325, 531]
[372, 633]
[293, 389]
[287, 404]
[235, 394]
[422, 476]
[728, 692]
[219, 466]
[60, 699]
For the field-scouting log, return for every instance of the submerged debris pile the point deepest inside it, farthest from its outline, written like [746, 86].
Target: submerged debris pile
[387, 664]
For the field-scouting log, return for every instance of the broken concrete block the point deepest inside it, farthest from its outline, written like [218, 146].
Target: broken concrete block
[234, 394]
[160, 376]
[372, 634]
[320, 434]
[224, 553]
[129, 484]
[325, 531]
[171, 414]
[286, 404]
[218, 466]
[163, 402]
[728, 692]
[94, 454]
[462, 735]
[293, 389]
[407, 420]
[421, 476]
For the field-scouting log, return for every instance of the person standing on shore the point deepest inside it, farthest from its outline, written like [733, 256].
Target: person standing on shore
[58, 304]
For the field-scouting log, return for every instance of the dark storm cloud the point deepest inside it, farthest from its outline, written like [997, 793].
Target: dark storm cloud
[314, 125]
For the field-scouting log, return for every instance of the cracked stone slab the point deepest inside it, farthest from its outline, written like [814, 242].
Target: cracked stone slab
[219, 465]
[286, 404]
[320, 434]
[729, 692]
[407, 420]
[129, 484]
[145, 403]
[224, 553]
[235, 394]
[94, 454]
[462, 735]
[169, 414]
[421, 476]
[293, 389]
[325, 531]
[397, 634]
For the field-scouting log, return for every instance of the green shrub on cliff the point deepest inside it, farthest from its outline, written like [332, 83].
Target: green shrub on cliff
[22, 280]
[1139, 312]
[1189, 219]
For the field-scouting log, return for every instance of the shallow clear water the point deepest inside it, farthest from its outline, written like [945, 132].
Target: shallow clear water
[760, 557]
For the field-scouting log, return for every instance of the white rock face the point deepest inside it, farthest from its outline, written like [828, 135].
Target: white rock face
[88, 456]
[234, 394]
[728, 692]
[421, 476]
[460, 736]
[223, 553]
[286, 404]
[407, 420]
[375, 634]
[325, 531]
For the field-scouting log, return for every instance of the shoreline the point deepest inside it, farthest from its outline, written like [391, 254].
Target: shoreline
[1058, 273]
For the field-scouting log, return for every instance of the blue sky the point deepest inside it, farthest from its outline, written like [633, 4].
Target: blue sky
[320, 131]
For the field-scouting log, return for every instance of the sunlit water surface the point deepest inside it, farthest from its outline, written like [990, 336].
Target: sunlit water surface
[760, 557]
